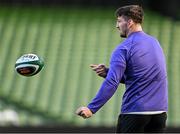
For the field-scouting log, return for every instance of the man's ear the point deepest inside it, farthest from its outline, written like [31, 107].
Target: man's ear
[130, 23]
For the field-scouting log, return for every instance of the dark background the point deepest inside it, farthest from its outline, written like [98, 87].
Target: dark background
[165, 7]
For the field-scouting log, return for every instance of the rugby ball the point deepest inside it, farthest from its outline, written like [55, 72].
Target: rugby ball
[29, 64]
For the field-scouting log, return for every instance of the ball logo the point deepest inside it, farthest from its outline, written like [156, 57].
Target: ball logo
[29, 65]
[27, 58]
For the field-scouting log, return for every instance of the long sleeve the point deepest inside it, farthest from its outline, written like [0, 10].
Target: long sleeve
[122, 79]
[108, 87]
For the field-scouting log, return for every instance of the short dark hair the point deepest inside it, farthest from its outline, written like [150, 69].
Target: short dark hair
[134, 12]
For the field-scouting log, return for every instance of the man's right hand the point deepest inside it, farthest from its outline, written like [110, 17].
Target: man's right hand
[100, 69]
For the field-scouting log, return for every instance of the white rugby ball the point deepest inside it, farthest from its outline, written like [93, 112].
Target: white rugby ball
[29, 65]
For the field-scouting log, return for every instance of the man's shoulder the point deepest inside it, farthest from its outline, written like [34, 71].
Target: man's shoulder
[122, 48]
[125, 44]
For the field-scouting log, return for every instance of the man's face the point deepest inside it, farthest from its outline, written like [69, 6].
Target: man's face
[122, 26]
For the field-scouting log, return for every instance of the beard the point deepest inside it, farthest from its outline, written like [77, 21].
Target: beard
[123, 35]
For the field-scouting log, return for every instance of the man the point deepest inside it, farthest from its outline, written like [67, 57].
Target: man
[139, 63]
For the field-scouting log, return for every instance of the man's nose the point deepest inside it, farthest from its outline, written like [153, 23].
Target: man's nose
[117, 26]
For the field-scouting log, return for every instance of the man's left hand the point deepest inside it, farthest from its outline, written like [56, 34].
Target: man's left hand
[84, 112]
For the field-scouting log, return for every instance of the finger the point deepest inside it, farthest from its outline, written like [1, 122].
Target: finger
[97, 65]
[82, 114]
[78, 111]
[93, 65]
[102, 75]
[98, 68]
[95, 68]
[100, 71]
[101, 65]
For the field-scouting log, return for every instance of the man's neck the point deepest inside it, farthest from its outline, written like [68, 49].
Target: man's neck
[135, 28]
